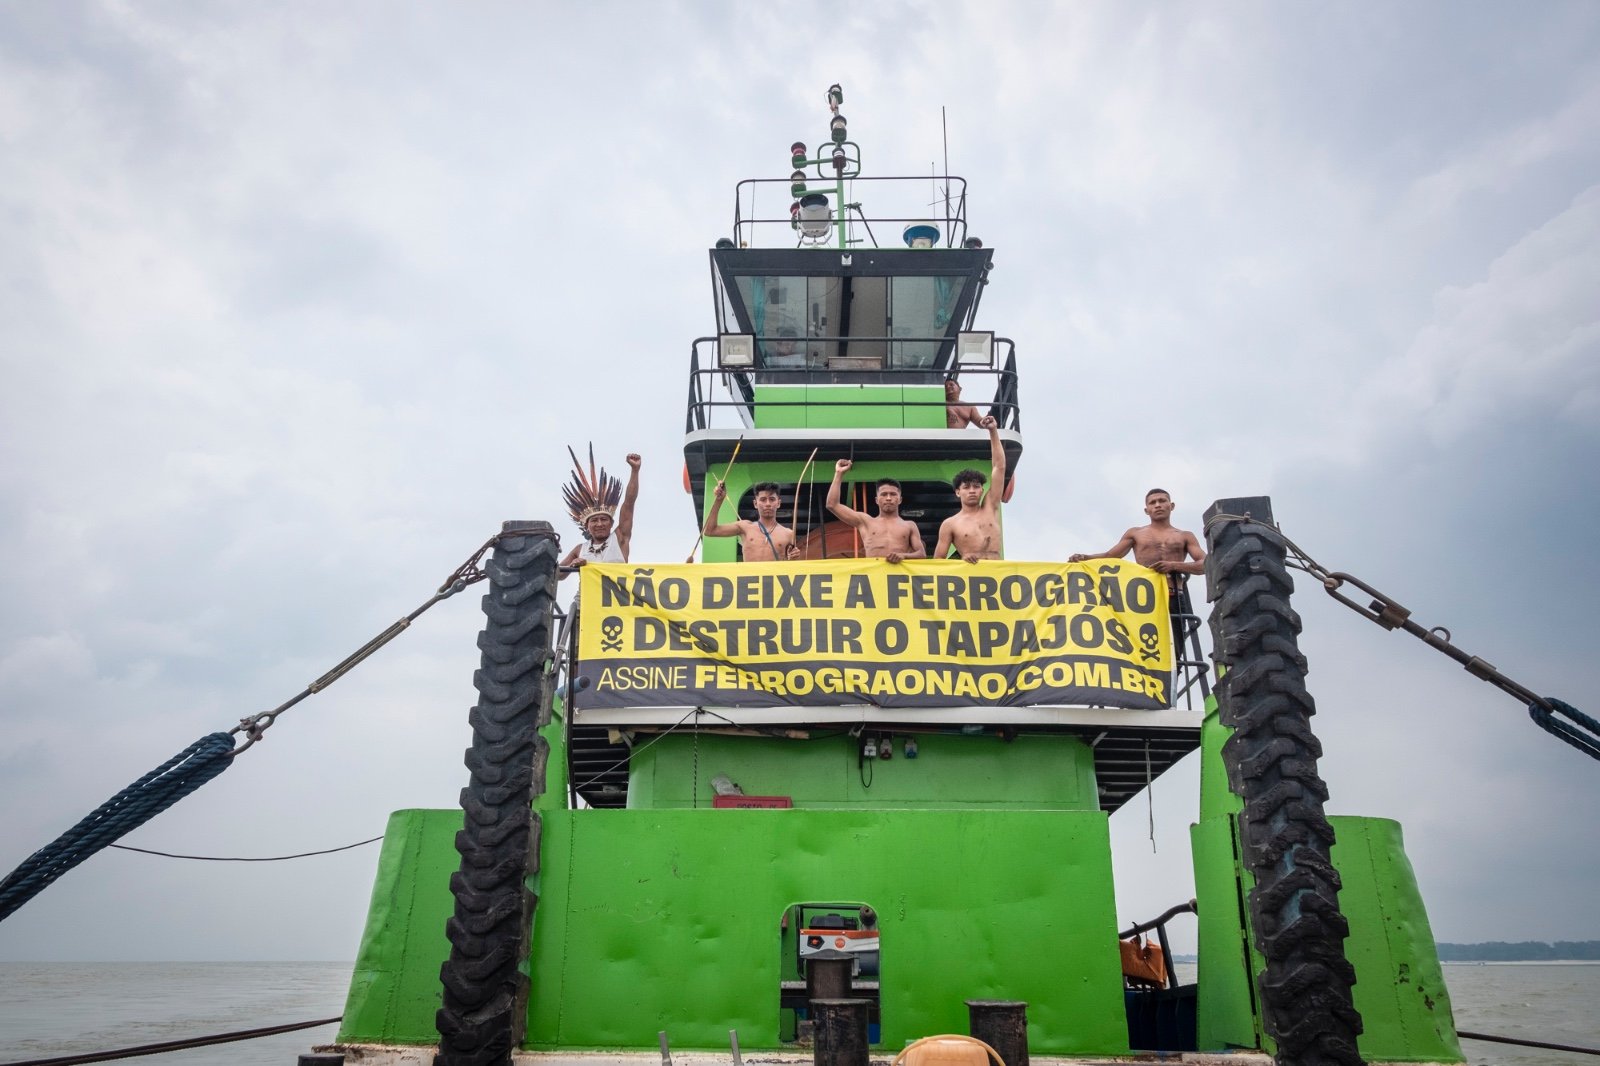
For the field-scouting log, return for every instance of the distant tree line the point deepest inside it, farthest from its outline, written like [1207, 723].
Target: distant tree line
[1520, 951]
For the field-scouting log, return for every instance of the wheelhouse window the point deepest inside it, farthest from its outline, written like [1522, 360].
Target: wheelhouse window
[920, 307]
[893, 323]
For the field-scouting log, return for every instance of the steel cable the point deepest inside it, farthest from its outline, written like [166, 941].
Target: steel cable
[173, 1045]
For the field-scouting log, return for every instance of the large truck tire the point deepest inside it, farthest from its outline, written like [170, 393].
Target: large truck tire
[1271, 758]
[485, 1004]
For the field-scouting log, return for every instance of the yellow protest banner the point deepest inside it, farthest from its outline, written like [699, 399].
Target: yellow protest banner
[852, 631]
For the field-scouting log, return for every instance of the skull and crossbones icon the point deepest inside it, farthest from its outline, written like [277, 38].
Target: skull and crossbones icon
[611, 633]
[1149, 641]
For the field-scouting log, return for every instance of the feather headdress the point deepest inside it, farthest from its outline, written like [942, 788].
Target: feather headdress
[590, 494]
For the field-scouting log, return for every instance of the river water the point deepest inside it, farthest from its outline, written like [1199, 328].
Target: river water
[63, 1008]
[1558, 1003]
[50, 1009]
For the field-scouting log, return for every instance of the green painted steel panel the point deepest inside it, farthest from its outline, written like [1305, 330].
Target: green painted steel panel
[1029, 772]
[841, 407]
[1400, 988]
[1216, 797]
[866, 407]
[554, 796]
[925, 407]
[652, 920]
[780, 407]
[394, 990]
[1225, 1008]
[1226, 1014]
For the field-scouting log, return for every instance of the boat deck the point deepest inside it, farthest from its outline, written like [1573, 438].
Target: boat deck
[388, 1055]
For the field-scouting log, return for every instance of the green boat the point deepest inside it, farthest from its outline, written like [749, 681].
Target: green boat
[883, 816]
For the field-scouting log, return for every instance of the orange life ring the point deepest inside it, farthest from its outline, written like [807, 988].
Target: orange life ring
[1011, 486]
[686, 486]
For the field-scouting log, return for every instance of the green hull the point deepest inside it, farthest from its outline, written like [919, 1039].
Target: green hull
[996, 886]
[989, 866]
[669, 920]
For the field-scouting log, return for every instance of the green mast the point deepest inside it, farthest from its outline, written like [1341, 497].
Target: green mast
[812, 216]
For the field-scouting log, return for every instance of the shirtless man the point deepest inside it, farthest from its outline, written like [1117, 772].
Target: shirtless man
[603, 543]
[956, 413]
[764, 540]
[975, 529]
[1159, 545]
[887, 536]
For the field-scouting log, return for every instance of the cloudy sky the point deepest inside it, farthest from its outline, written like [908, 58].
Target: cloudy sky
[298, 302]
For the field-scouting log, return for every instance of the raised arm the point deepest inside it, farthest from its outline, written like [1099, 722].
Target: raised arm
[844, 512]
[1116, 551]
[713, 528]
[629, 497]
[997, 462]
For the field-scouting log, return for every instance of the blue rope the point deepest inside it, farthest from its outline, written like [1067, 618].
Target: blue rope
[117, 816]
[1585, 735]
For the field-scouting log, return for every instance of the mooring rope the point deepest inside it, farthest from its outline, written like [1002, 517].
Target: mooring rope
[195, 765]
[1574, 1048]
[116, 817]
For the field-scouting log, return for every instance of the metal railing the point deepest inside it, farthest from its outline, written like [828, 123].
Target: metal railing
[1190, 667]
[739, 385]
[948, 209]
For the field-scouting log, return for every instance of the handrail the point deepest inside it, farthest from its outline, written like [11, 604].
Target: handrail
[1159, 924]
[1004, 405]
[953, 223]
[1154, 923]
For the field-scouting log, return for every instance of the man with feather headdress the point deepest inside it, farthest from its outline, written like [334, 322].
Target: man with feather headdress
[592, 502]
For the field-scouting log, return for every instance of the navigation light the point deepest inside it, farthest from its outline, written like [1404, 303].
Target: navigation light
[815, 215]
